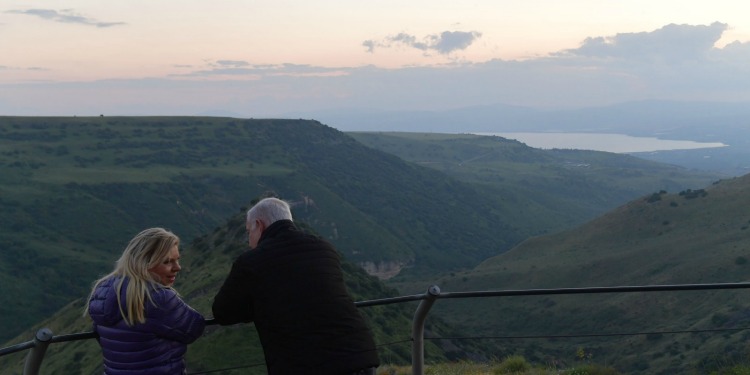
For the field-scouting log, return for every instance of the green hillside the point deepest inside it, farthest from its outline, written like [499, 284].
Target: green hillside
[206, 261]
[555, 189]
[688, 237]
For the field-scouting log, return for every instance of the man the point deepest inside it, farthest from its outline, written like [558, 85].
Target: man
[291, 285]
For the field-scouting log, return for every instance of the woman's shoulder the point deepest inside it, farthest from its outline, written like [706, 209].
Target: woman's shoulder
[105, 287]
[163, 293]
[166, 303]
[160, 300]
[103, 305]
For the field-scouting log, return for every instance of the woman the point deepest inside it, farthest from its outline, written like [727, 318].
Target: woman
[143, 325]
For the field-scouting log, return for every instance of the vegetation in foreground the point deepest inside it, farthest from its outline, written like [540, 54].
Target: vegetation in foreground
[514, 364]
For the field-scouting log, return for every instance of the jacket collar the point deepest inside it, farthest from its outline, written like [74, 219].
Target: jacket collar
[275, 228]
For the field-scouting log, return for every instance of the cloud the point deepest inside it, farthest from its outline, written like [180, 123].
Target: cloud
[410, 41]
[370, 45]
[670, 43]
[232, 63]
[735, 51]
[244, 68]
[675, 62]
[18, 68]
[64, 16]
[456, 40]
[443, 43]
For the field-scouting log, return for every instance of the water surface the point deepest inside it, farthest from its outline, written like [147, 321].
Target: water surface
[618, 143]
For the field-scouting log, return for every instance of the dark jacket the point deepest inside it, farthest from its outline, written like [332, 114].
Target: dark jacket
[291, 285]
[157, 346]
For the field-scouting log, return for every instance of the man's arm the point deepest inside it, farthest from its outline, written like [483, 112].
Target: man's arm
[233, 304]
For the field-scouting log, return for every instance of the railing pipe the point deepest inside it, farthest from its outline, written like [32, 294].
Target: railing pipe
[44, 337]
[417, 329]
[75, 337]
[389, 301]
[592, 290]
[16, 348]
[34, 359]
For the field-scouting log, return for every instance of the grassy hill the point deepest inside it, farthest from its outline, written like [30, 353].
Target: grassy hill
[74, 190]
[206, 261]
[689, 237]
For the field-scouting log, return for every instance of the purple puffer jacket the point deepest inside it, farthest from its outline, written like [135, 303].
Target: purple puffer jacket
[155, 347]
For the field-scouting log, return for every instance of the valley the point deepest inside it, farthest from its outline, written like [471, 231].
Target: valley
[414, 209]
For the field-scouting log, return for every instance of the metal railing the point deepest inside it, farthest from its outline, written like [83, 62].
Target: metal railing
[43, 338]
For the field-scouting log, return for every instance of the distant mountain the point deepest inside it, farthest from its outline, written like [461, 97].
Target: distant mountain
[689, 237]
[703, 121]
[673, 120]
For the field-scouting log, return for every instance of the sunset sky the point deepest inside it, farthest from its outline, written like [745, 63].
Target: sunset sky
[267, 58]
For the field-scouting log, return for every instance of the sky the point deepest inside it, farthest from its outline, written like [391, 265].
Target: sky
[271, 58]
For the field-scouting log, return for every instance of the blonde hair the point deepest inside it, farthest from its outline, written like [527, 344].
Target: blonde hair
[146, 250]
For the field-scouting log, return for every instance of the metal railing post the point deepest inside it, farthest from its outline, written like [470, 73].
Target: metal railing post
[36, 354]
[417, 330]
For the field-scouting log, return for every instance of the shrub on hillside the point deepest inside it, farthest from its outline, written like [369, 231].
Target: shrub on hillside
[655, 197]
[512, 364]
[690, 194]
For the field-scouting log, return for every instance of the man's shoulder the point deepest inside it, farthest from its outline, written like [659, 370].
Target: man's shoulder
[292, 241]
[304, 240]
[290, 235]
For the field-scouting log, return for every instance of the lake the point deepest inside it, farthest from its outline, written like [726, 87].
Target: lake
[618, 143]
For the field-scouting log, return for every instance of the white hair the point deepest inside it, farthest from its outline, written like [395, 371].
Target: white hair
[269, 211]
